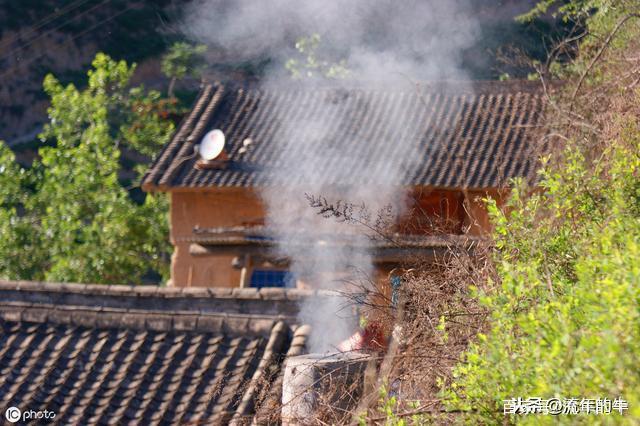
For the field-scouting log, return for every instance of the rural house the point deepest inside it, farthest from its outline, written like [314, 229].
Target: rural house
[471, 141]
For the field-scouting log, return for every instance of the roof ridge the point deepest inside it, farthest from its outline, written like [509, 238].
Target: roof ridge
[241, 310]
[274, 349]
[82, 316]
[194, 125]
[165, 158]
[151, 291]
[273, 395]
[436, 86]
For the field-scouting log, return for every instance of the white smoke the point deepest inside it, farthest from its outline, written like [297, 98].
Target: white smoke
[383, 42]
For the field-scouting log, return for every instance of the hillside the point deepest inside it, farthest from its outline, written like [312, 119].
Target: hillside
[62, 37]
[38, 37]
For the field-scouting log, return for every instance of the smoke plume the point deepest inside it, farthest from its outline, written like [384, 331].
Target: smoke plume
[383, 43]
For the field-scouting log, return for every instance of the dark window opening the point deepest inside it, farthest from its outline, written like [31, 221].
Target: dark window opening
[271, 278]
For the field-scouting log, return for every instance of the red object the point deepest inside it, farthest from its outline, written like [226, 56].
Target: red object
[373, 337]
[370, 338]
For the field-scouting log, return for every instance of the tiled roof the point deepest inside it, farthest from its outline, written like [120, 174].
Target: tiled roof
[145, 355]
[478, 136]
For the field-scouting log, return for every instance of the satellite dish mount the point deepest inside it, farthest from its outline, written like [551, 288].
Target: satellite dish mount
[211, 151]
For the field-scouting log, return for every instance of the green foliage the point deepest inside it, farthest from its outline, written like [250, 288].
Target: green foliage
[145, 120]
[182, 60]
[389, 406]
[21, 250]
[599, 16]
[565, 311]
[569, 10]
[311, 64]
[68, 218]
[565, 314]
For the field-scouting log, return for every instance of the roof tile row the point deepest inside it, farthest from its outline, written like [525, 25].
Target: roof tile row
[64, 350]
[476, 137]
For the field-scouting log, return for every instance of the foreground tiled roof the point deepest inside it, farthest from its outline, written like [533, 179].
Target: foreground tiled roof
[476, 136]
[145, 355]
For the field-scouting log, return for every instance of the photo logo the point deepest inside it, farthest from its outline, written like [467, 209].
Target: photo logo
[13, 414]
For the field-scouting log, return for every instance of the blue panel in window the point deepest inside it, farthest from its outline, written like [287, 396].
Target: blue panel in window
[271, 278]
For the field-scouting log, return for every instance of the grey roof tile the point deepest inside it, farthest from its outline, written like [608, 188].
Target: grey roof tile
[476, 137]
[103, 365]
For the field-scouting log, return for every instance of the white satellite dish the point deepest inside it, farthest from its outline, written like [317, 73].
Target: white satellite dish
[212, 145]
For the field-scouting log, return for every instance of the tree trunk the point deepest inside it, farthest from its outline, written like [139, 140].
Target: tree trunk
[172, 83]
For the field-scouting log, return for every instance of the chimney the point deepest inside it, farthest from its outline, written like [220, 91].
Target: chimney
[322, 386]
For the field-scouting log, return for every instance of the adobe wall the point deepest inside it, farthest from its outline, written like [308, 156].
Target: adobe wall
[477, 221]
[226, 207]
[221, 207]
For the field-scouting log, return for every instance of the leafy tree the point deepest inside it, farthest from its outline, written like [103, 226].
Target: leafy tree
[312, 64]
[69, 217]
[183, 59]
[21, 246]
